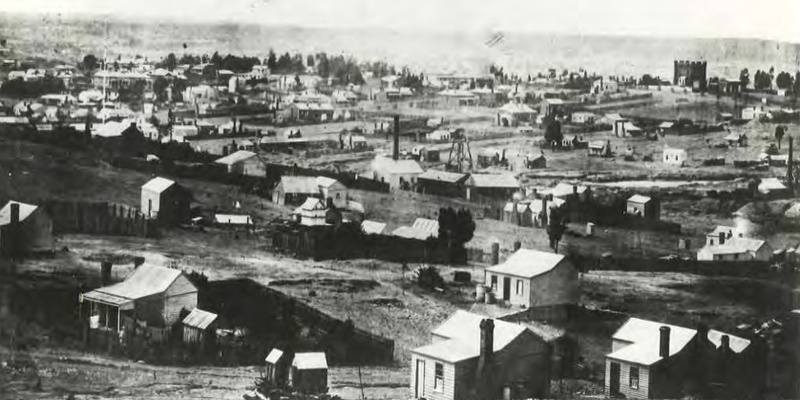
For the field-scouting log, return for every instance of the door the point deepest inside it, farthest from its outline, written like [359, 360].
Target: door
[506, 288]
[613, 387]
[419, 382]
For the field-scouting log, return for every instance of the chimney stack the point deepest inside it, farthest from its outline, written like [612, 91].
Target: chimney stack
[517, 245]
[14, 214]
[138, 261]
[487, 339]
[396, 148]
[495, 253]
[725, 343]
[702, 331]
[575, 189]
[663, 344]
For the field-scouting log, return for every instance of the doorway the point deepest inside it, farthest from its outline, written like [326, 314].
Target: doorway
[613, 387]
[506, 288]
[419, 382]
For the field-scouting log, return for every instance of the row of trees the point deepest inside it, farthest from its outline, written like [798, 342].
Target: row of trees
[762, 80]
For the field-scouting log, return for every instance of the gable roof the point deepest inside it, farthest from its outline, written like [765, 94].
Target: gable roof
[392, 166]
[310, 361]
[527, 263]
[373, 227]
[146, 280]
[506, 181]
[199, 319]
[431, 226]
[274, 356]
[299, 184]
[311, 204]
[325, 182]
[736, 245]
[516, 108]
[644, 337]
[443, 176]
[409, 232]
[463, 333]
[158, 184]
[236, 157]
[25, 210]
[637, 198]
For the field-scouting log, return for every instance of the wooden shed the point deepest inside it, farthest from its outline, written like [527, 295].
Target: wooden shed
[309, 373]
[276, 370]
[199, 326]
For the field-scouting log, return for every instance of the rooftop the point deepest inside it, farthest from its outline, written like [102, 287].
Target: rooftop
[146, 280]
[233, 219]
[431, 226]
[25, 210]
[637, 198]
[158, 184]
[310, 361]
[274, 356]
[644, 337]
[443, 176]
[300, 184]
[236, 157]
[199, 319]
[566, 189]
[373, 227]
[527, 263]
[506, 181]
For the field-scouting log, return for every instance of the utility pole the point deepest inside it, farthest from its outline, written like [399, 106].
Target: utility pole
[790, 166]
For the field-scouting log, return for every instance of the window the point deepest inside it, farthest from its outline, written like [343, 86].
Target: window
[634, 378]
[519, 286]
[494, 282]
[438, 378]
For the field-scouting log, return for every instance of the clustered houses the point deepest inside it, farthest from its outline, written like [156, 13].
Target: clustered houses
[651, 360]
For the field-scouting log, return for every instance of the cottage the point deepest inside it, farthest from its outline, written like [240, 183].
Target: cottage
[439, 135]
[603, 85]
[624, 127]
[726, 243]
[277, 367]
[442, 183]
[313, 212]
[399, 174]
[373, 227]
[737, 139]
[199, 327]
[644, 207]
[296, 189]
[675, 156]
[457, 98]
[550, 107]
[244, 162]
[652, 360]
[583, 117]
[518, 213]
[357, 142]
[532, 278]
[600, 148]
[165, 200]
[309, 373]
[491, 186]
[25, 228]
[309, 112]
[515, 114]
[332, 190]
[475, 357]
[152, 294]
[665, 127]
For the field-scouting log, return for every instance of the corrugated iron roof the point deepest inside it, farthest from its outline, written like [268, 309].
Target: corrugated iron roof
[146, 280]
[443, 176]
[300, 184]
[373, 227]
[427, 225]
[506, 181]
[310, 361]
[644, 337]
[325, 182]
[637, 198]
[411, 233]
[25, 210]
[158, 184]
[234, 219]
[199, 319]
[527, 263]
[236, 157]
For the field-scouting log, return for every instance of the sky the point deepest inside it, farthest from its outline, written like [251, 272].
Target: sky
[763, 19]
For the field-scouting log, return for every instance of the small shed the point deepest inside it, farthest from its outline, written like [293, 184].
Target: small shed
[199, 326]
[599, 148]
[644, 207]
[276, 370]
[309, 373]
[675, 156]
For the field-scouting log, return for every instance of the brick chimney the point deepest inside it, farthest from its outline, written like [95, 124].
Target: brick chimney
[483, 372]
[13, 228]
[663, 343]
[396, 139]
[14, 214]
[725, 343]
[702, 331]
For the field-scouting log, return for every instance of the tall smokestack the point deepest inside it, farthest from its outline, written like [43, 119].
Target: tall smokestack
[663, 343]
[396, 148]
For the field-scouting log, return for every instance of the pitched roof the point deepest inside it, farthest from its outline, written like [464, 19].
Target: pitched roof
[637, 198]
[398, 166]
[300, 184]
[146, 280]
[311, 204]
[25, 210]
[310, 361]
[158, 184]
[527, 263]
[199, 319]
[234, 219]
[409, 232]
[769, 184]
[507, 181]
[427, 225]
[274, 356]
[325, 182]
[736, 245]
[516, 108]
[443, 176]
[236, 157]
[373, 227]
[463, 332]
[644, 337]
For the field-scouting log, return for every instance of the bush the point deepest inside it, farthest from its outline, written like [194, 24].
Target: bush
[428, 277]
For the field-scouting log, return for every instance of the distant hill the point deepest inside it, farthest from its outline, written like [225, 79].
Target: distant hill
[70, 39]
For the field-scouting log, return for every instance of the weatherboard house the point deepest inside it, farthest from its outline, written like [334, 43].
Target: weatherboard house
[653, 360]
[473, 357]
[532, 278]
[165, 200]
[151, 294]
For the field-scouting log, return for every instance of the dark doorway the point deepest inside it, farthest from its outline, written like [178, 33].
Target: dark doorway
[613, 387]
[506, 288]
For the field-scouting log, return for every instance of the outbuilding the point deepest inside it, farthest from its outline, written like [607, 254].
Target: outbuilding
[643, 207]
[199, 327]
[309, 373]
[165, 200]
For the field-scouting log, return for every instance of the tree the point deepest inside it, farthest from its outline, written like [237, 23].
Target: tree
[780, 131]
[216, 59]
[297, 83]
[784, 80]
[89, 63]
[272, 61]
[744, 77]
[310, 60]
[171, 62]
[552, 130]
[456, 228]
[555, 228]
